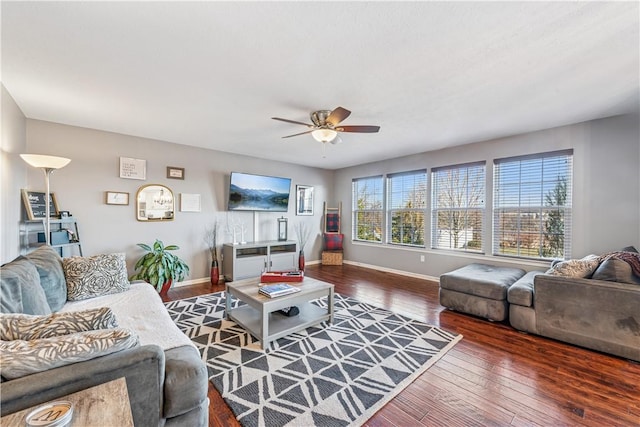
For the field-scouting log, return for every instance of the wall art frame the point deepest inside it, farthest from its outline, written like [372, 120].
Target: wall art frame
[175, 172]
[35, 206]
[116, 198]
[304, 200]
[131, 168]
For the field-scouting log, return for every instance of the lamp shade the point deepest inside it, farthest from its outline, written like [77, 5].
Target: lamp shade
[324, 135]
[44, 161]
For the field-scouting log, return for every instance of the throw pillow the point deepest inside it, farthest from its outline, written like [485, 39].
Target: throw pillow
[49, 265]
[333, 241]
[615, 270]
[333, 222]
[20, 290]
[25, 327]
[95, 276]
[578, 268]
[19, 357]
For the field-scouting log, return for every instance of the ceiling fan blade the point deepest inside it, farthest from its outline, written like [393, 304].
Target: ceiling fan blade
[292, 121]
[362, 129]
[296, 134]
[338, 115]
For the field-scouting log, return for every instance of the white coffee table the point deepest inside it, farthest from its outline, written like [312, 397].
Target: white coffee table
[258, 317]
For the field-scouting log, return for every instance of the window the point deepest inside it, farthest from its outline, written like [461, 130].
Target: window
[367, 196]
[532, 205]
[458, 207]
[406, 204]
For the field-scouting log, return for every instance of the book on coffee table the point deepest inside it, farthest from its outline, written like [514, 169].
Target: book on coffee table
[278, 290]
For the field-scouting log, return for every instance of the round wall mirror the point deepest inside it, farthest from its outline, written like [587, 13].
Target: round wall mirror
[154, 202]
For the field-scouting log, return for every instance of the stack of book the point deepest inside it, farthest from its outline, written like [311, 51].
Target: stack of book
[278, 290]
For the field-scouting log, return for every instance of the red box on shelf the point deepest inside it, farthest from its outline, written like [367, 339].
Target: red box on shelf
[282, 276]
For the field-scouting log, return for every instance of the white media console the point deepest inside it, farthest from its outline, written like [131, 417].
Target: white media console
[245, 260]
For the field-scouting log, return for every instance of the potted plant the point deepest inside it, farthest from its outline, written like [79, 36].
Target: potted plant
[211, 237]
[159, 267]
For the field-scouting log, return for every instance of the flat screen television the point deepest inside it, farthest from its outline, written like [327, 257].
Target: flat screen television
[249, 192]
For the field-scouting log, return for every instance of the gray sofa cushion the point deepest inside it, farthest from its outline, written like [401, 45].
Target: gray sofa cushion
[20, 290]
[615, 270]
[186, 381]
[521, 292]
[49, 265]
[481, 280]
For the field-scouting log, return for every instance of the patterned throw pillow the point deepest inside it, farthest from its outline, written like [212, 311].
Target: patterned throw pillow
[333, 241]
[333, 222]
[95, 276]
[26, 327]
[578, 268]
[19, 357]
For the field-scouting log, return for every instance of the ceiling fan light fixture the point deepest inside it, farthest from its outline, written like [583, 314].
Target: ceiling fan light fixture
[324, 135]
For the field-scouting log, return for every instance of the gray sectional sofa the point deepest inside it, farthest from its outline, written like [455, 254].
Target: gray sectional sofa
[602, 315]
[593, 302]
[166, 379]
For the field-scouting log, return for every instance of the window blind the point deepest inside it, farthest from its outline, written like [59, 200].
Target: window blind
[367, 195]
[532, 205]
[457, 207]
[406, 204]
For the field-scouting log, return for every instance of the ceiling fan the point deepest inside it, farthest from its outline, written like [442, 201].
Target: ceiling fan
[325, 125]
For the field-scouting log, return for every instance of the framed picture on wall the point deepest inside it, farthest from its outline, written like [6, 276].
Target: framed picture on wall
[304, 200]
[175, 173]
[116, 198]
[133, 168]
[35, 206]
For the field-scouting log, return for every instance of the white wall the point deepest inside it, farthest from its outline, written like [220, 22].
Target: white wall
[13, 175]
[606, 192]
[80, 188]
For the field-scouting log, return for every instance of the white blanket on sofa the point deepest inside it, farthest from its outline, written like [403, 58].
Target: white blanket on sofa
[140, 309]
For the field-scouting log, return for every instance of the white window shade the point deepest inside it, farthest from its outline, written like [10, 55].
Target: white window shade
[406, 206]
[532, 205]
[457, 207]
[368, 208]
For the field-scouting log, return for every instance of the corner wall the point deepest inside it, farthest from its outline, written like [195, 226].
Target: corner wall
[13, 175]
[80, 188]
[606, 193]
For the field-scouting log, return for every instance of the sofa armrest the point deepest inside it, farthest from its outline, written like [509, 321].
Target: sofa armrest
[591, 313]
[143, 368]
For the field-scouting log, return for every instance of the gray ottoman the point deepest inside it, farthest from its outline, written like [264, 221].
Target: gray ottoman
[479, 289]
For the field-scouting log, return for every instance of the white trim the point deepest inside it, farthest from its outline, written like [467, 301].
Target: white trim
[392, 270]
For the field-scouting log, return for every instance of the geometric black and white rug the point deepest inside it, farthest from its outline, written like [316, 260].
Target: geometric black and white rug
[336, 374]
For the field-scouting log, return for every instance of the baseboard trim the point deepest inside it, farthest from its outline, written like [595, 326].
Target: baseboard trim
[392, 270]
[357, 264]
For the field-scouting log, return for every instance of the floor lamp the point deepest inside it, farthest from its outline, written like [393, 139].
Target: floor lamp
[48, 164]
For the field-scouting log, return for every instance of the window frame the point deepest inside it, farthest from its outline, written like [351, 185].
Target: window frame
[374, 195]
[479, 209]
[390, 210]
[525, 213]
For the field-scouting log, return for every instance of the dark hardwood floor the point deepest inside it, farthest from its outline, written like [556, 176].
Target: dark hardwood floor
[493, 376]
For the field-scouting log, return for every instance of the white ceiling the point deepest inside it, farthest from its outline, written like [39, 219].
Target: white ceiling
[212, 74]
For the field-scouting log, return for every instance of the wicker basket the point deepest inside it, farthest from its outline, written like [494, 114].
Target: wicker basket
[331, 257]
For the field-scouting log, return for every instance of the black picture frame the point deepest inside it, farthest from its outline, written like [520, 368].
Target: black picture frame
[34, 205]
